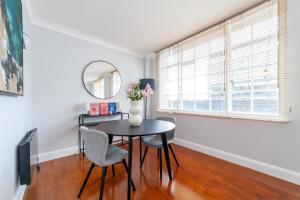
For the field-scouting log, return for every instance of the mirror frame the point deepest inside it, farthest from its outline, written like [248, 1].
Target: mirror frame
[95, 61]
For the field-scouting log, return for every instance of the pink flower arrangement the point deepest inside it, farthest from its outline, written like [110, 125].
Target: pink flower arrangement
[134, 93]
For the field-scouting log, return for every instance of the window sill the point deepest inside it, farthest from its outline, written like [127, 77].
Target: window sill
[220, 116]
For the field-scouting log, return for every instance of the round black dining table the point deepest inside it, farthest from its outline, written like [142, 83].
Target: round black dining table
[148, 127]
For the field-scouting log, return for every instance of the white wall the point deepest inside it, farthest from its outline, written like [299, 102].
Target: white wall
[15, 121]
[150, 73]
[273, 143]
[58, 94]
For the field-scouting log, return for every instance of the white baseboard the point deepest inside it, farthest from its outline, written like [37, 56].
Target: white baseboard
[279, 172]
[51, 155]
[20, 192]
[43, 157]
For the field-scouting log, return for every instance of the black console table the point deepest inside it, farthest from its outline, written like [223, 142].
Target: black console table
[82, 121]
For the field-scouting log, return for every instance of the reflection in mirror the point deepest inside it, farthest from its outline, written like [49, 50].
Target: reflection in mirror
[101, 79]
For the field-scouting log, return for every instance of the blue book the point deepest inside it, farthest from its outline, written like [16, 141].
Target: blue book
[112, 108]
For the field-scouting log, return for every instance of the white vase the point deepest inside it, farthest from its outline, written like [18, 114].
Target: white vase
[135, 118]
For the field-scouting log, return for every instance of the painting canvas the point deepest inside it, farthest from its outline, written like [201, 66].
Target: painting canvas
[11, 49]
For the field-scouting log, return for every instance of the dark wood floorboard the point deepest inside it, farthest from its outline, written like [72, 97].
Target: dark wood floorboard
[199, 177]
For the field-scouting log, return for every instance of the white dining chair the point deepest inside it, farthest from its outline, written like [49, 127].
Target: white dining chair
[156, 142]
[101, 153]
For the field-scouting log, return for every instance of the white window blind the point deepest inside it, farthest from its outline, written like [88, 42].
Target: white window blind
[235, 69]
[98, 87]
[116, 82]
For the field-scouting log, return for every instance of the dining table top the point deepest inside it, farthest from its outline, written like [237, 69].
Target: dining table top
[123, 128]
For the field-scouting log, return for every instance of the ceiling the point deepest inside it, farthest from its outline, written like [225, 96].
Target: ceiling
[139, 27]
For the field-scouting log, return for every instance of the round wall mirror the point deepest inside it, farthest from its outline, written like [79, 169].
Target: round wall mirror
[101, 79]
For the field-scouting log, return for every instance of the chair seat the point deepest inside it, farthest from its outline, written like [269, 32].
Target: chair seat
[114, 154]
[154, 141]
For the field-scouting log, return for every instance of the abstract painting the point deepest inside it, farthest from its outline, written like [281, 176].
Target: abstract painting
[11, 47]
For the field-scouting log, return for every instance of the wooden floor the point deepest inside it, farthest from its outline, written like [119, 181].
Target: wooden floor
[198, 177]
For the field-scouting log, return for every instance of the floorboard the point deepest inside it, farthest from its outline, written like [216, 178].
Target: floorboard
[199, 177]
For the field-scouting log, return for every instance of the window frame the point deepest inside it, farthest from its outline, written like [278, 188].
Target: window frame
[283, 110]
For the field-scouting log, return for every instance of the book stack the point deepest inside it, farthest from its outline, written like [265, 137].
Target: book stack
[103, 108]
[112, 108]
[94, 109]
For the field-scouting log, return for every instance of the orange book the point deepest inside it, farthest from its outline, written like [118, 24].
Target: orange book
[103, 108]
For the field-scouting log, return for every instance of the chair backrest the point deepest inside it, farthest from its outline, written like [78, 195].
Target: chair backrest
[170, 134]
[95, 144]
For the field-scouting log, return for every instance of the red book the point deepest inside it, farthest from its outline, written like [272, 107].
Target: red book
[103, 108]
[94, 109]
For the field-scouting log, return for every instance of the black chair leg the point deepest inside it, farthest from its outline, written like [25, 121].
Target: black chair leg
[158, 153]
[146, 150]
[104, 169]
[85, 180]
[113, 170]
[126, 168]
[173, 154]
[160, 164]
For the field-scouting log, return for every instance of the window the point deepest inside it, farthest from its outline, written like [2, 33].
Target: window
[235, 69]
[98, 87]
[116, 82]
